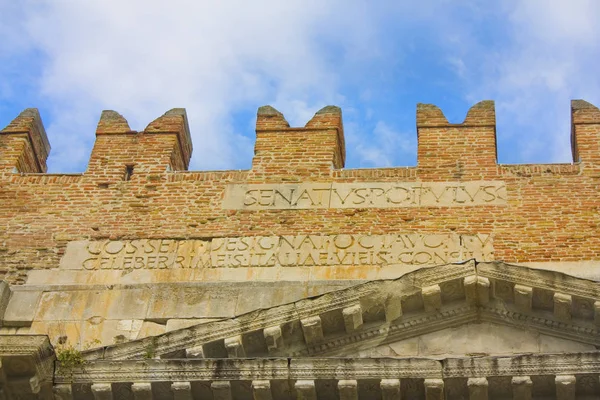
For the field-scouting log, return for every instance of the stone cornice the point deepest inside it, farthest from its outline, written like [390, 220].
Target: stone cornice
[105, 371]
[426, 300]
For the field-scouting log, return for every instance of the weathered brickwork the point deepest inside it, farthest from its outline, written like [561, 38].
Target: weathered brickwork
[137, 186]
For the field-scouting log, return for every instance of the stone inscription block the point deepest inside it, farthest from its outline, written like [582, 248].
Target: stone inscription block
[278, 251]
[363, 195]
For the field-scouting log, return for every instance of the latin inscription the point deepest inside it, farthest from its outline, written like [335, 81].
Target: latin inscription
[278, 251]
[364, 195]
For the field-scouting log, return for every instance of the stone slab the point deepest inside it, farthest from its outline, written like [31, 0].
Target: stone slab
[21, 308]
[128, 304]
[82, 279]
[192, 302]
[363, 195]
[286, 251]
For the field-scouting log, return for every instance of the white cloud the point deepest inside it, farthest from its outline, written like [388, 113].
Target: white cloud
[546, 56]
[142, 58]
[560, 22]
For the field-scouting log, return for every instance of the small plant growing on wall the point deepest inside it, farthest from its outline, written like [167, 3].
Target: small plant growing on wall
[69, 359]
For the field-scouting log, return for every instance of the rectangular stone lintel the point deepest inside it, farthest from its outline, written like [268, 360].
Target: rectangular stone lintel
[234, 347]
[274, 338]
[262, 390]
[562, 306]
[221, 390]
[477, 289]
[521, 386]
[390, 389]
[306, 390]
[348, 389]
[393, 308]
[565, 387]
[63, 392]
[194, 352]
[523, 296]
[102, 391]
[181, 390]
[478, 388]
[434, 389]
[352, 318]
[432, 298]
[313, 329]
[142, 390]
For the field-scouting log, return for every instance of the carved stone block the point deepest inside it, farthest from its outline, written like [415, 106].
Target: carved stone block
[102, 391]
[390, 389]
[432, 298]
[181, 390]
[562, 306]
[478, 388]
[477, 289]
[348, 389]
[393, 308]
[523, 296]
[274, 338]
[313, 329]
[194, 352]
[521, 387]
[352, 318]
[306, 390]
[262, 390]
[565, 387]
[221, 390]
[142, 391]
[234, 347]
[434, 389]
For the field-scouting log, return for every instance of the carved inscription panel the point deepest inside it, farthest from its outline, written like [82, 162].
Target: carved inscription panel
[278, 251]
[364, 195]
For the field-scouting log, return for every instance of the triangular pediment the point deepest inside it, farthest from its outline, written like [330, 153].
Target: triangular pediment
[477, 339]
[428, 301]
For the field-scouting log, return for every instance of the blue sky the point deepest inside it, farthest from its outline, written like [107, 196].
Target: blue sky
[375, 59]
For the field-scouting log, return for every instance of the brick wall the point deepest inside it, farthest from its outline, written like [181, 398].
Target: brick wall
[137, 186]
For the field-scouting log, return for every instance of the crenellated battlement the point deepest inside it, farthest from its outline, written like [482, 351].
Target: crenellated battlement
[463, 151]
[137, 186]
[282, 153]
[119, 152]
[24, 146]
